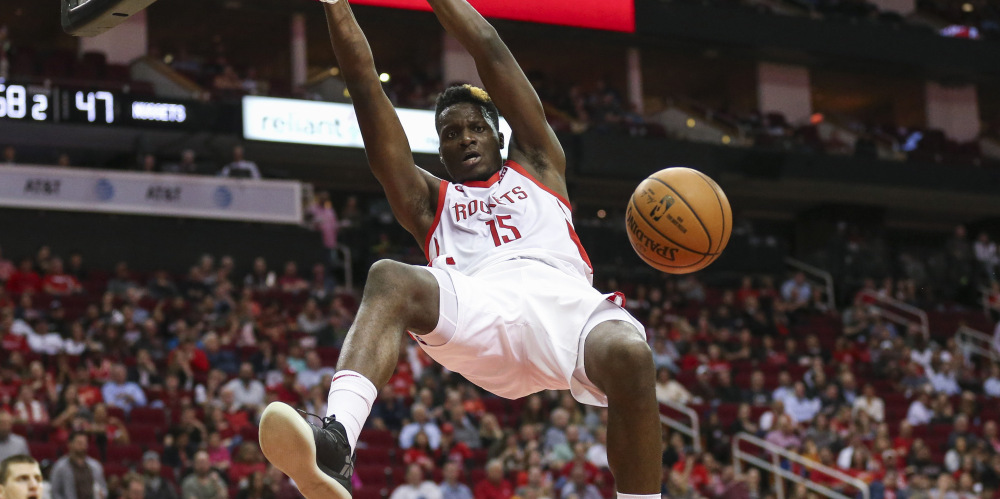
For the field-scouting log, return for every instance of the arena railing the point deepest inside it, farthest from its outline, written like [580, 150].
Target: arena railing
[692, 431]
[817, 274]
[899, 312]
[774, 466]
[974, 342]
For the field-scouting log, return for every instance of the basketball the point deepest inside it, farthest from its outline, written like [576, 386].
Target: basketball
[678, 220]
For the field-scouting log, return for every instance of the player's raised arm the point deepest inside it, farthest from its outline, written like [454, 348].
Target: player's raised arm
[412, 192]
[507, 85]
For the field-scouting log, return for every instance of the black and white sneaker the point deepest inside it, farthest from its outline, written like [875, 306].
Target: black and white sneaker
[317, 458]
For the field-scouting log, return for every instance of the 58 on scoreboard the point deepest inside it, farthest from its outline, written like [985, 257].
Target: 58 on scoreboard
[20, 102]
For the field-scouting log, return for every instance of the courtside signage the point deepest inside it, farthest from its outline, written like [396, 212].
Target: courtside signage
[110, 191]
[613, 15]
[330, 124]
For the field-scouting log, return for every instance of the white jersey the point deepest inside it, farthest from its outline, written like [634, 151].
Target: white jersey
[509, 216]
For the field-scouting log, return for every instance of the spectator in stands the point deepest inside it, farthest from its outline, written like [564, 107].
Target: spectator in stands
[421, 422]
[9, 156]
[991, 387]
[314, 371]
[204, 482]
[324, 219]
[725, 390]
[134, 486]
[757, 394]
[783, 435]
[29, 410]
[260, 278]
[920, 412]
[239, 166]
[156, 486]
[290, 281]
[147, 163]
[796, 291]
[311, 320]
[986, 254]
[668, 389]
[24, 279]
[122, 282]
[11, 444]
[6, 268]
[800, 406]
[223, 359]
[494, 486]
[248, 392]
[555, 434]
[450, 487]
[121, 393]
[248, 461]
[187, 165]
[870, 403]
[77, 475]
[415, 487]
[578, 486]
[943, 379]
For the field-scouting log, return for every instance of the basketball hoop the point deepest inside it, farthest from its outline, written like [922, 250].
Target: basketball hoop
[93, 17]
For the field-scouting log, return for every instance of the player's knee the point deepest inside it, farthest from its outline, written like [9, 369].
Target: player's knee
[622, 360]
[383, 277]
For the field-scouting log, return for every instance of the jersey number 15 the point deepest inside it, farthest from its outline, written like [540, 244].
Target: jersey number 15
[499, 239]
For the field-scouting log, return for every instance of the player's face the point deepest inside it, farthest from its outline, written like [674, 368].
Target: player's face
[24, 481]
[470, 144]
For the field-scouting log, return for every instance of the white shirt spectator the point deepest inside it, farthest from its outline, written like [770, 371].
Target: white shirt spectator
[672, 391]
[410, 431]
[426, 490]
[766, 421]
[250, 394]
[845, 457]
[782, 392]
[875, 407]
[311, 377]
[922, 357]
[992, 387]
[597, 454]
[945, 383]
[919, 414]
[241, 168]
[796, 290]
[801, 410]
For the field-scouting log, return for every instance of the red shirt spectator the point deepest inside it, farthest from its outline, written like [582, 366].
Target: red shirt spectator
[494, 486]
[591, 471]
[14, 343]
[24, 279]
[59, 283]
[699, 473]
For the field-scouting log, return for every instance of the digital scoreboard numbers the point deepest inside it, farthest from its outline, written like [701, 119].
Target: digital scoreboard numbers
[83, 106]
[25, 103]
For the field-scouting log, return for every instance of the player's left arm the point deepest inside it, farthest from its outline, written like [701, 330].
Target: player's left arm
[533, 144]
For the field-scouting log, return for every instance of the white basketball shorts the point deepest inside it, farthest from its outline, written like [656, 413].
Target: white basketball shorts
[518, 327]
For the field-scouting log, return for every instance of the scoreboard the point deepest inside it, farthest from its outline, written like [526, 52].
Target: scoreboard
[89, 106]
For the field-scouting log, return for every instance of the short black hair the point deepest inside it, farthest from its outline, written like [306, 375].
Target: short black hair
[15, 459]
[457, 94]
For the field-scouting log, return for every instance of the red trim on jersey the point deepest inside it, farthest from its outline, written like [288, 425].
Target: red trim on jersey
[576, 240]
[485, 183]
[520, 169]
[442, 192]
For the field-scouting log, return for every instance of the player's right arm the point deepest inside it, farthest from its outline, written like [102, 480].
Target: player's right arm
[412, 192]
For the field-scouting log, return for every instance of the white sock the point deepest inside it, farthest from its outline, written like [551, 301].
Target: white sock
[638, 496]
[351, 398]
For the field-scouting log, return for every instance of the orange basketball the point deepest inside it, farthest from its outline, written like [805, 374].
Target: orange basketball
[678, 220]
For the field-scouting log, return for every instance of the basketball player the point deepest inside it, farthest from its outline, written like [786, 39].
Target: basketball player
[507, 299]
[20, 478]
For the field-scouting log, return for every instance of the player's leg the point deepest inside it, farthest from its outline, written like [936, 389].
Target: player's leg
[397, 298]
[620, 363]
